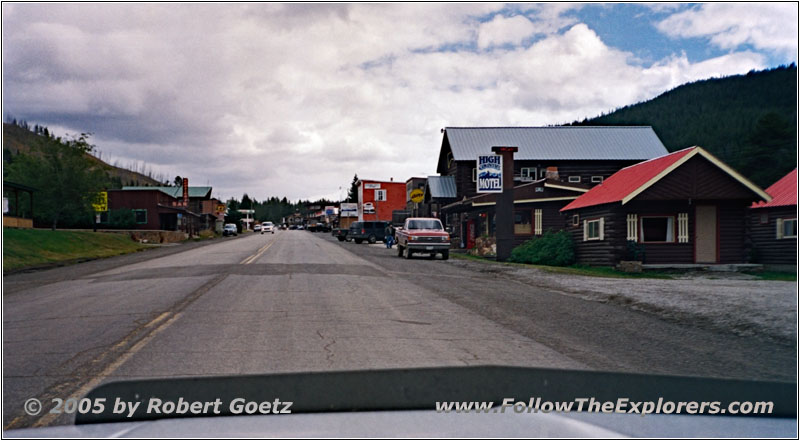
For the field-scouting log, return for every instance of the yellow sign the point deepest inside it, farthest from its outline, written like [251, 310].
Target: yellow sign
[220, 208]
[100, 202]
[417, 195]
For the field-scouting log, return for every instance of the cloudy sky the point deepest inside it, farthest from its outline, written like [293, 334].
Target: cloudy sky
[292, 100]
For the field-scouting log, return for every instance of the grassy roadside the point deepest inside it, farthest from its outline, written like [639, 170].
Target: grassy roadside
[578, 270]
[774, 275]
[32, 248]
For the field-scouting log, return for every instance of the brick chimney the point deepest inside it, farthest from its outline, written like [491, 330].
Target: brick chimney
[551, 173]
[185, 192]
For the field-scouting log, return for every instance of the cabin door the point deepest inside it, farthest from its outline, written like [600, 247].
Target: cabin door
[705, 241]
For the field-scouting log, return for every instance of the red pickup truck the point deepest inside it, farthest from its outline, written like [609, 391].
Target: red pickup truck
[422, 235]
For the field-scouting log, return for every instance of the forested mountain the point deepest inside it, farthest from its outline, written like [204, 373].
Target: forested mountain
[18, 137]
[748, 121]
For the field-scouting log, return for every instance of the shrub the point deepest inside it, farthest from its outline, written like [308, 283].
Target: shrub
[121, 219]
[556, 249]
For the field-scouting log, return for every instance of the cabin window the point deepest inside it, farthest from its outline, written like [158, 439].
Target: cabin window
[522, 222]
[658, 229]
[593, 229]
[474, 174]
[141, 216]
[528, 172]
[763, 219]
[576, 220]
[574, 179]
[537, 221]
[786, 228]
[597, 179]
[380, 195]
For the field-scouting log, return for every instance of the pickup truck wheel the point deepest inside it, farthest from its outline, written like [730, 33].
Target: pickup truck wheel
[399, 251]
[358, 240]
[445, 254]
[372, 238]
[341, 238]
[407, 253]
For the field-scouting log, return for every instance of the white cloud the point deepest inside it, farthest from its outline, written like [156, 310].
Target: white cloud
[770, 26]
[502, 30]
[293, 99]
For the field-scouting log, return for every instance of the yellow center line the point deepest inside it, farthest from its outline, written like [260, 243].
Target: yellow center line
[258, 254]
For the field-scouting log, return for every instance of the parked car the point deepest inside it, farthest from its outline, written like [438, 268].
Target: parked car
[229, 230]
[256, 228]
[267, 227]
[422, 235]
[371, 231]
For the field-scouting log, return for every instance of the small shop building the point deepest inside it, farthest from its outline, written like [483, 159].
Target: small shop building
[687, 207]
[378, 199]
[773, 226]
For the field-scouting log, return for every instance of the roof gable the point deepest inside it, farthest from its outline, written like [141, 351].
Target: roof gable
[177, 192]
[783, 192]
[442, 186]
[554, 143]
[631, 181]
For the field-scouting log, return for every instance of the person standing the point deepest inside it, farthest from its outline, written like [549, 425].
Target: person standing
[389, 233]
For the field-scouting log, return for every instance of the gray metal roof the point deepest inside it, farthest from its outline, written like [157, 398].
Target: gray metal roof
[442, 186]
[551, 143]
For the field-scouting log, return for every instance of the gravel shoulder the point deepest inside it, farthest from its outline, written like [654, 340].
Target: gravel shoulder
[721, 301]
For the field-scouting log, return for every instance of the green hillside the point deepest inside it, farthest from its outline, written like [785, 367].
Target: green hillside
[748, 121]
[18, 139]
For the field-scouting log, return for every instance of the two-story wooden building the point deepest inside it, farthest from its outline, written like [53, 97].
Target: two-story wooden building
[553, 166]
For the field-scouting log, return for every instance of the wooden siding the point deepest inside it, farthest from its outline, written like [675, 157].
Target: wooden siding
[655, 253]
[697, 179]
[462, 170]
[766, 248]
[606, 252]
[552, 219]
[731, 224]
[731, 227]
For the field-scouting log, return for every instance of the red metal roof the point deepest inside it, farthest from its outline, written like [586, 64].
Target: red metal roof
[626, 181]
[783, 192]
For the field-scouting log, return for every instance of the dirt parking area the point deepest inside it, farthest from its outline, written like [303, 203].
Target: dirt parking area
[730, 302]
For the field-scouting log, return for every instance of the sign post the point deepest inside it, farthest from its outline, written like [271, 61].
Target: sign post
[504, 209]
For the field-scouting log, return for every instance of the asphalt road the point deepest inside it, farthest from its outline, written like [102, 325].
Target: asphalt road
[300, 301]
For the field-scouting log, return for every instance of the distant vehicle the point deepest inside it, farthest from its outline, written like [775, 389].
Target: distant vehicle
[268, 227]
[300, 227]
[292, 227]
[371, 231]
[256, 228]
[422, 235]
[229, 230]
[344, 227]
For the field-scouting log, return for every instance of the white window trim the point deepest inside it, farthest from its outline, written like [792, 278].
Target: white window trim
[597, 179]
[525, 172]
[600, 228]
[537, 222]
[576, 220]
[380, 192]
[780, 224]
[574, 179]
[683, 227]
[633, 227]
[474, 174]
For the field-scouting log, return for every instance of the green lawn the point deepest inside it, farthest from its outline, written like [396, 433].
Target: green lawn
[774, 275]
[29, 248]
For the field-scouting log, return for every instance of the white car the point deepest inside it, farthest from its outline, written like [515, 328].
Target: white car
[256, 228]
[267, 227]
